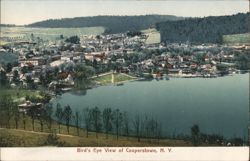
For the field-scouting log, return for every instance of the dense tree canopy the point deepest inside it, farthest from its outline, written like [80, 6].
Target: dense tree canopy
[203, 30]
[113, 24]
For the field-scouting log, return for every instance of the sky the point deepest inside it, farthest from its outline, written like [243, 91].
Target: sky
[22, 12]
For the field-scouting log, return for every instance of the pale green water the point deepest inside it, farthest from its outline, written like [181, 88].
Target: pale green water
[217, 105]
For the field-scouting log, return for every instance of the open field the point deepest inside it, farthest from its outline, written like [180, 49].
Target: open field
[154, 36]
[48, 33]
[237, 38]
[19, 94]
[104, 79]
[122, 77]
[29, 138]
[3, 42]
[116, 78]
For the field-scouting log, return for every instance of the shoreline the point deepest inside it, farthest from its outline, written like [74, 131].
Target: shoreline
[120, 83]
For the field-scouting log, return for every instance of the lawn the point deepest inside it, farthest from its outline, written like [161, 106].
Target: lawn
[105, 79]
[122, 77]
[117, 78]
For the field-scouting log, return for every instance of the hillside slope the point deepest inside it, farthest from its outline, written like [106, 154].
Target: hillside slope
[113, 24]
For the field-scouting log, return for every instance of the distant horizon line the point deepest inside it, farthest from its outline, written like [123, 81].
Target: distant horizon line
[119, 16]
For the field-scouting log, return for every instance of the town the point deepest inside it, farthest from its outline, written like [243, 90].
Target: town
[70, 62]
[86, 61]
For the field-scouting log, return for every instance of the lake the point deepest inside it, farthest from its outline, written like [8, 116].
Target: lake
[218, 105]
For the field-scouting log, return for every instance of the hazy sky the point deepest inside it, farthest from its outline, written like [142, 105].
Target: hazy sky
[27, 11]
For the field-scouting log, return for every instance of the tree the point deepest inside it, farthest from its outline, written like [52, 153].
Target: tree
[77, 121]
[16, 77]
[87, 120]
[195, 134]
[61, 37]
[48, 114]
[30, 82]
[67, 113]
[158, 131]
[96, 120]
[82, 75]
[3, 78]
[24, 120]
[59, 115]
[107, 120]
[6, 109]
[126, 125]
[8, 67]
[56, 71]
[117, 121]
[32, 36]
[16, 114]
[73, 40]
[33, 114]
[137, 126]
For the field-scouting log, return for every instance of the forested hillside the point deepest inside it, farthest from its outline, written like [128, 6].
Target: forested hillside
[113, 24]
[203, 30]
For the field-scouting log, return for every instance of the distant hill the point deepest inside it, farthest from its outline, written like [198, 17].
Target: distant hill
[203, 30]
[7, 25]
[113, 24]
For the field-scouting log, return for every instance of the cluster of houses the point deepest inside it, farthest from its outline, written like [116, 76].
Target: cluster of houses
[107, 50]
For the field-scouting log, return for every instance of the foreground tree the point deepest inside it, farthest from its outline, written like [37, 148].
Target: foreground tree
[33, 114]
[77, 121]
[6, 110]
[137, 127]
[96, 120]
[195, 134]
[16, 115]
[87, 120]
[59, 115]
[48, 116]
[107, 120]
[67, 113]
[3, 78]
[117, 121]
[126, 125]
[24, 118]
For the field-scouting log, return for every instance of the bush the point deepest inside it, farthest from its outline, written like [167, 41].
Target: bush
[53, 140]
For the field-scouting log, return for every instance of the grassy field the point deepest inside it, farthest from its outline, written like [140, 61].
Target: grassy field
[28, 138]
[3, 42]
[154, 36]
[122, 78]
[237, 38]
[105, 79]
[117, 78]
[48, 33]
[20, 93]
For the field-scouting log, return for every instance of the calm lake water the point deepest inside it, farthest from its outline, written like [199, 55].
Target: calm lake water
[217, 105]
